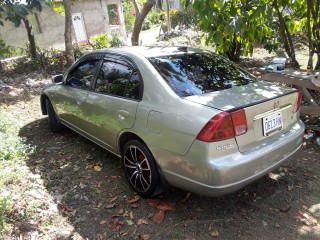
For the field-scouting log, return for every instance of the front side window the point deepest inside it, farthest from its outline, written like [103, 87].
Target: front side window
[118, 79]
[83, 75]
[199, 73]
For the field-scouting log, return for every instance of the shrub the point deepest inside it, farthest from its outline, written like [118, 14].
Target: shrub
[116, 40]
[128, 12]
[78, 51]
[146, 24]
[99, 42]
[182, 19]
[154, 16]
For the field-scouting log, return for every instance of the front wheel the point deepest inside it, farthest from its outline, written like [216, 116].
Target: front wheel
[54, 122]
[140, 169]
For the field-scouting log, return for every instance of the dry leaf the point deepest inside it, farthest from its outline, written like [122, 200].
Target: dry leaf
[134, 205]
[131, 215]
[130, 222]
[97, 168]
[142, 221]
[133, 199]
[121, 211]
[145, 237]
[103, 222]
[110, 205]
[158, 217]
[162, 205]
[215, 234]
[286, 209]
[113, 199]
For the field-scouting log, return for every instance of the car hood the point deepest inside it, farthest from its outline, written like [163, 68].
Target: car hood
[242, 96]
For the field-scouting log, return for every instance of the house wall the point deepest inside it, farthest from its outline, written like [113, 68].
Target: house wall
[174, 4]
[95, 15]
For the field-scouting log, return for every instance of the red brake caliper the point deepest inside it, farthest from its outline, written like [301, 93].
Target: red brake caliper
[144, 165]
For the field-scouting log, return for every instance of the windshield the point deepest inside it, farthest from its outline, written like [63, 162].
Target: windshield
[198, 73]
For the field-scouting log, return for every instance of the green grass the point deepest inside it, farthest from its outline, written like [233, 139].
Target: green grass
[13, 151]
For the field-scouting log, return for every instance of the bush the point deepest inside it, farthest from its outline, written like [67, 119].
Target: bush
[146, 24]
[182, 19]
[128, 12]
[78, 51]
[5, 51]
[116, 40]
[154, 16]
[99, 42]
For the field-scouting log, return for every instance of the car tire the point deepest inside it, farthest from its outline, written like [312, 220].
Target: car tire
[54, 122]
[141, 169]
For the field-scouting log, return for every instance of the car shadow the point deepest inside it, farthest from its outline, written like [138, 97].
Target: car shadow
[88, 186]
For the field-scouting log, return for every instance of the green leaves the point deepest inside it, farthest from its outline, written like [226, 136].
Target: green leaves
[16, 11]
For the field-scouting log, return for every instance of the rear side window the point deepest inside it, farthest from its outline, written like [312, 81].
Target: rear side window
[198, 73]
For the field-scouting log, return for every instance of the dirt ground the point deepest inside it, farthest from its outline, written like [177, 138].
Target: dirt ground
[73, 189]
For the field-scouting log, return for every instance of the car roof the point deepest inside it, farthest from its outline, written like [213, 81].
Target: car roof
[150, 51]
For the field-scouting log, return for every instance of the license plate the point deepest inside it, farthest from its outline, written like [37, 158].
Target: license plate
[272, 123]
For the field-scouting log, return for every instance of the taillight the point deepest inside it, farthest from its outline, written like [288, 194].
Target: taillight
[224, 126]
[298, 102]
[239, 121]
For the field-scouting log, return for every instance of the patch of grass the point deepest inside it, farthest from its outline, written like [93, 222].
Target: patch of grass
[5, 209]
[12, 151]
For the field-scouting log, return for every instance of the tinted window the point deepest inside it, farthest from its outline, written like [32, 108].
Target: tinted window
[133, 88]
[198, 73]
[83, 75]
[118, 79]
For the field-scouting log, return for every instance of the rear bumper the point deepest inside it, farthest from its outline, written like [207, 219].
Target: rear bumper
[214, 176]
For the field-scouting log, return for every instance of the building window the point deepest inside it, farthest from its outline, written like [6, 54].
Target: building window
[33, 20]
[113, 12]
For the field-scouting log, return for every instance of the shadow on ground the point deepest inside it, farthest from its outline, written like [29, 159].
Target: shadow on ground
[96, 202]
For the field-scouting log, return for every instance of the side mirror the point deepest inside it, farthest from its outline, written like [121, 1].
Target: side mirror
[57, 78]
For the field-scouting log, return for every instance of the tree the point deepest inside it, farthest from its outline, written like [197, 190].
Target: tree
[140, 16]
[284, 21]
[67, 33]
[233, 26]
[17, 12]
[313, 29]
[64, 9]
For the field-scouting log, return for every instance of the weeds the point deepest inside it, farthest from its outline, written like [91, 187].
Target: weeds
[99, 42]
[12, 151]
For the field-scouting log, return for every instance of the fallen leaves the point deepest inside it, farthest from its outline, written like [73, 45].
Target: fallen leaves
[162, 205]
[97, 168]
[142, 221]
[145, 237]
[158, 217]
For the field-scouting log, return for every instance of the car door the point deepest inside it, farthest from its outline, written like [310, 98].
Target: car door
[70, 99]
[113, 103]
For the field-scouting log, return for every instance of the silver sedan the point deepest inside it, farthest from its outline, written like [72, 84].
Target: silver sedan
[177, 116]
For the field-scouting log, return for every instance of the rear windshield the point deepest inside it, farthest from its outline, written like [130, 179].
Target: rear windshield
[198, 73]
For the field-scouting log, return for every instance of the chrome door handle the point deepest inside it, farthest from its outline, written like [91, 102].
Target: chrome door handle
[123, 114]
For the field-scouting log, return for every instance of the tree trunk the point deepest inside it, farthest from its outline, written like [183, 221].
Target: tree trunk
[286, 37]
[32, 43]
[67, 33]
[310, 43]
[159, 4]
[317, 67]
[140, 16]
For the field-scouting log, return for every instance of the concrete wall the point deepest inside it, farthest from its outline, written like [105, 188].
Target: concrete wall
[174, 4]
[95, 17]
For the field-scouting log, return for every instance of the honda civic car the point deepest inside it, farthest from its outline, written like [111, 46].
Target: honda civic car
[177, 116]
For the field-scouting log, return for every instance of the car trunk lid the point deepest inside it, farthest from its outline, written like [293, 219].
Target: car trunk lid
[269, 110]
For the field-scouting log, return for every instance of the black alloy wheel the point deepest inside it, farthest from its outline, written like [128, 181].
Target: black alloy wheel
[140, 168]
